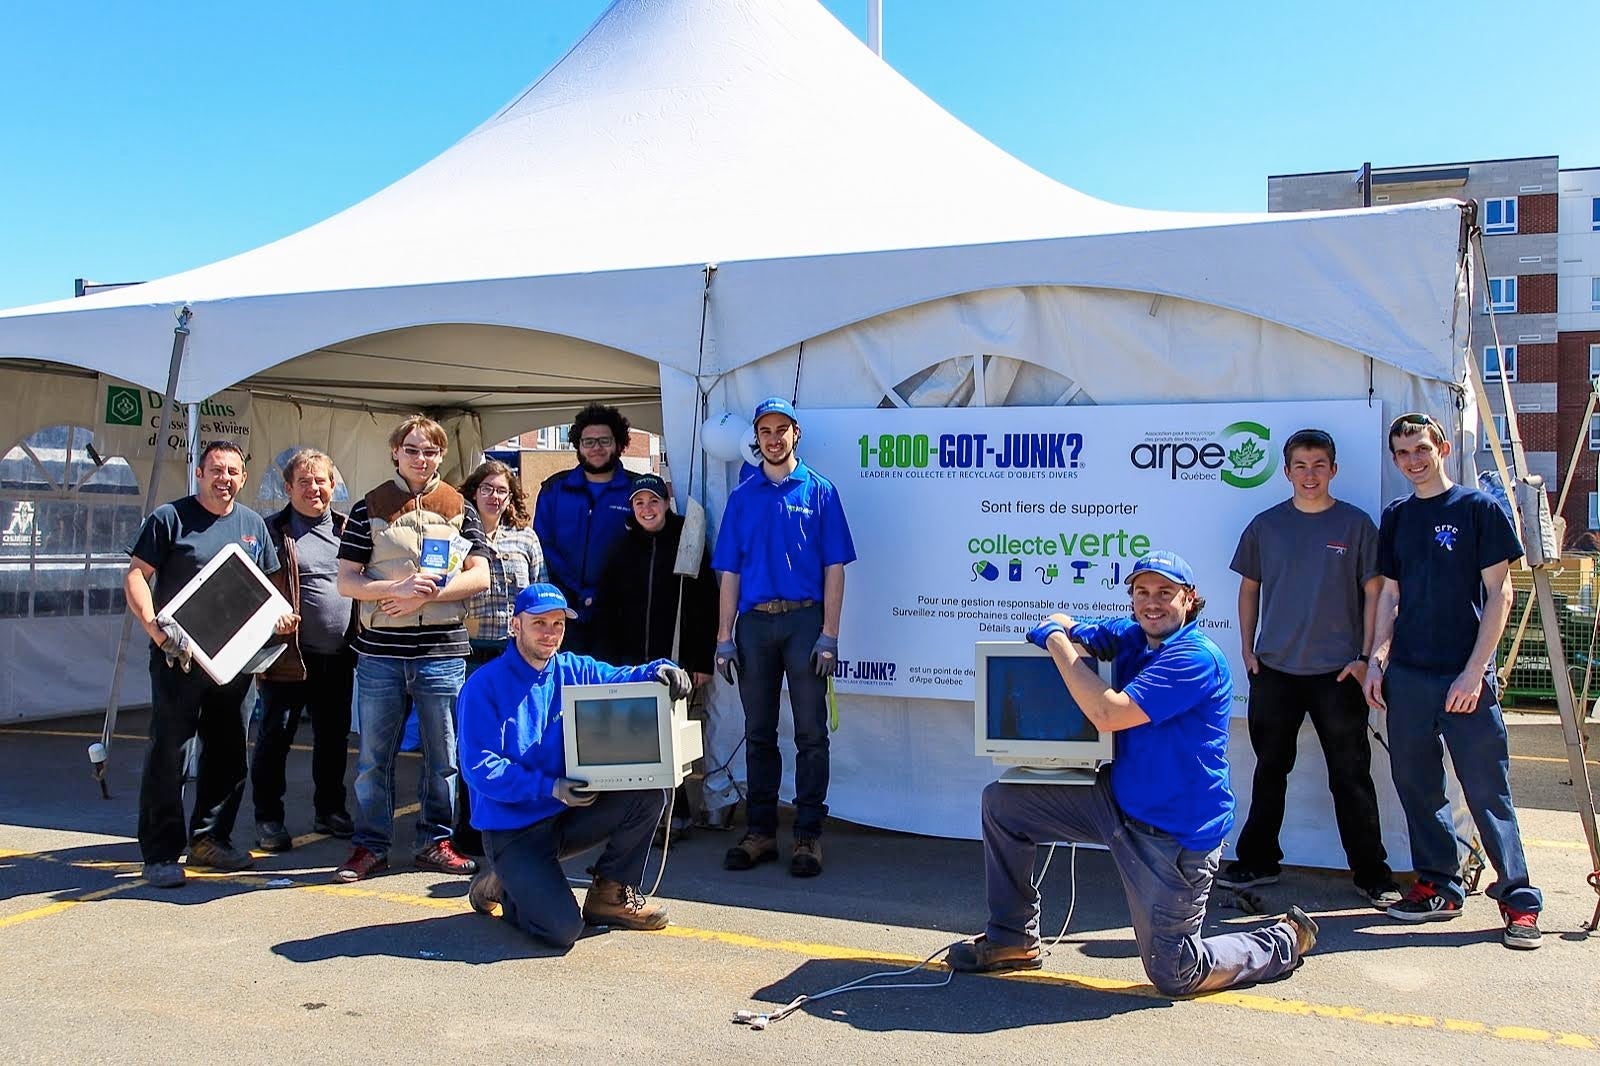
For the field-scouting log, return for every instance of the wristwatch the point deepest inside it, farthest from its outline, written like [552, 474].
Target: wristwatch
[1363, 658]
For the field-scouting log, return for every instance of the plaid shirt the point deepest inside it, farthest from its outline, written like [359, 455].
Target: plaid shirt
[515, 562]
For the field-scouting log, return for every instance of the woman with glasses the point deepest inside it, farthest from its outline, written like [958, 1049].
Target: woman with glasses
[515, 562]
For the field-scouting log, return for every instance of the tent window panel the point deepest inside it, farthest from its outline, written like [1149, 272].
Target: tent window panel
[112, 529]
[62, 529]
[16, 590]
[105, 589]
[114, 477]
[16, 528]
[59, 590]
[272, 490]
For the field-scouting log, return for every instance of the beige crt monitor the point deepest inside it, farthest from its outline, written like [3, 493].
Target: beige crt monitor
[228, 611]
[1024, 718]
[627, 736]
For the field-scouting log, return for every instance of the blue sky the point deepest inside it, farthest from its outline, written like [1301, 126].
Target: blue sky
[139, 140]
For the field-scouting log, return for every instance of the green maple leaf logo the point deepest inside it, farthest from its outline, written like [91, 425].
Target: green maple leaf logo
[1246, 455]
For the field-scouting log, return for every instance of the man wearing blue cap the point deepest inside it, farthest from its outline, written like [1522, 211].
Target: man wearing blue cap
[781, 553]
[532, 815]
[1162, 807]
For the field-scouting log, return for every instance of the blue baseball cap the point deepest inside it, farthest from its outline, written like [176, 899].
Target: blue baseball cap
[1169, 565]
[775, 405]
[540, 598]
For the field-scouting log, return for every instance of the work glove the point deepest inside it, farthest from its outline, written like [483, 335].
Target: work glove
[569, 790]
[727, 660]
[679, 684]
[176, 647]
[824, 653]
[1041, 633]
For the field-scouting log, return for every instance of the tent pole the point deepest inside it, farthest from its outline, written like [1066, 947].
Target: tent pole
[875, 27]
[180, 341]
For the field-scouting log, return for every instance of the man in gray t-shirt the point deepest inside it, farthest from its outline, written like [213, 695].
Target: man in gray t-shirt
[1308, 585]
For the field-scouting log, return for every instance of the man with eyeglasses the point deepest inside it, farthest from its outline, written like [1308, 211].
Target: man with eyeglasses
[411, 647]
[1445, 553]
[1308, 574]
[582, 513]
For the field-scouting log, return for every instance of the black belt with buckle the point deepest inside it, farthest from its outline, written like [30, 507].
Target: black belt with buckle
[783, 606]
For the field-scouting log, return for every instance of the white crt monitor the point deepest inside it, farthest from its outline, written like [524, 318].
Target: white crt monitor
[1024, 717]
[228, 611]
[627, 736]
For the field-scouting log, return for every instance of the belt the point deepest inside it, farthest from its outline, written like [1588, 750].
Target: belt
[782, 606]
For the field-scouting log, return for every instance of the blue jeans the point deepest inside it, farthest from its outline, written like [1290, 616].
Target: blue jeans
[772, 646]
[1417, 724]
[1167, 886]
[386, 690]
[535, 896]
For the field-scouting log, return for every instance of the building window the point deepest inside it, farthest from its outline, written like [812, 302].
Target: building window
[1500, 214]
[1502, 299]
[1594, 213]
[1498, 362]
[1594, 510]
[1594, 294]
[1594, 433]
[1502, 431]
[1594, 361]
[68, 515]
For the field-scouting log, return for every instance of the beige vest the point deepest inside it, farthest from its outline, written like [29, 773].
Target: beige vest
[400, 519]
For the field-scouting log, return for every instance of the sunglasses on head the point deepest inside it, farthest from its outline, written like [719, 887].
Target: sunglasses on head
[1414, 418]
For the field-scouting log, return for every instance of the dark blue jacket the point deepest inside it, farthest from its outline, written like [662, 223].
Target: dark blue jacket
[578, 533]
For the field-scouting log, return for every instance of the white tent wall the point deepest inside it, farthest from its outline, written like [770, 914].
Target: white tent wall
[908, 764]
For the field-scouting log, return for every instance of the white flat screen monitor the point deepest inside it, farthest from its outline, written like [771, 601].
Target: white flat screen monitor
[228, 611]
[1024, 717]
[627, 736]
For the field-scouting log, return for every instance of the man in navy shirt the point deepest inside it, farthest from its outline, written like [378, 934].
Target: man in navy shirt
[781, 551]
[1445, 553]
[1162, 807]
[581, 514]
[174, 544]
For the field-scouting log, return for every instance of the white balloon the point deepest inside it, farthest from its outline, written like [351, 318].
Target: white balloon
[729, 437]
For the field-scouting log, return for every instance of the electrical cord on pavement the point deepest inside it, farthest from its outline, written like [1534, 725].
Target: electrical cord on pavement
[763, 1019]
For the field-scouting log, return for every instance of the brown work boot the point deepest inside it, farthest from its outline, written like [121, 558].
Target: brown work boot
[979, 956]
[621, 906]
[807, 858]
[750, 852]
[485, 891]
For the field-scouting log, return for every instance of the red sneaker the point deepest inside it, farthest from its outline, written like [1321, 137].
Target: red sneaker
[361, 865]
[1522, 929]
[1424, 903]
[442, 856]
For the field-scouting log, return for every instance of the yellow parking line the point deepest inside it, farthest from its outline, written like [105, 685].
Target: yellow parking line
[1551, 758]
[1564, 845]
[1242, 1000]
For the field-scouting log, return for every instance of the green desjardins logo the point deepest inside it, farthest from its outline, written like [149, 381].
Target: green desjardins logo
[1244, 441]
[124, 406]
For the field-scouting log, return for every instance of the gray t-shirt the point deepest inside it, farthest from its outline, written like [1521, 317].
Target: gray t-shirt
[1311, 568]
[324, 614]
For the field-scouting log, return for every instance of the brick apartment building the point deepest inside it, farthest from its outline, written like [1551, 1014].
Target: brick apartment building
[1541, 244]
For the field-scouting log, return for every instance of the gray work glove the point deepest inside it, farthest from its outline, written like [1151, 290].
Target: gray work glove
[824, 653]
[176, 647]
[727, 660]
[679, 684]
[569, 790]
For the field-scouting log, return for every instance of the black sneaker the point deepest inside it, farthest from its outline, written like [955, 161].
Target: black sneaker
[1383, 895]
[337, 825]
[1238, 875]
[1424, 904]
[1522, 929]
[273, 836]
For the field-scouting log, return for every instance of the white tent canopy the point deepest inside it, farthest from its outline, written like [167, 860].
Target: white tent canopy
[870, 249]
[765, 138]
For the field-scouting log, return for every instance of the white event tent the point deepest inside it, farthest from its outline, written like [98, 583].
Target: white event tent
[869, 250]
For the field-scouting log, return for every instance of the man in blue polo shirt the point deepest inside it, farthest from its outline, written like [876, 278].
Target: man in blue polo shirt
[1162, 807]
[781, 553]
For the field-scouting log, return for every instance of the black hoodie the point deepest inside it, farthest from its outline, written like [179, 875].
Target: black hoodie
[638, 593]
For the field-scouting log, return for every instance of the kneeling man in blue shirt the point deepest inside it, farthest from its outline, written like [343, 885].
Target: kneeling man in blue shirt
[532, 815]
[1162, 807]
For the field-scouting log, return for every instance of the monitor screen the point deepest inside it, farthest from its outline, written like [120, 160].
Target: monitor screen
[219, 608]
[1027, 700]
[617, 731]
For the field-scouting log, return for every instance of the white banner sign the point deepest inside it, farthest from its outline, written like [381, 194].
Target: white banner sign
[974, 523]
[129, 419]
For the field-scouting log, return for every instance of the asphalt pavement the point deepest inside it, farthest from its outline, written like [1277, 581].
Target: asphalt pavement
[281, 964]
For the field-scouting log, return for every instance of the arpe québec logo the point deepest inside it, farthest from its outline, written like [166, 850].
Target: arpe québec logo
[1238, 455]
